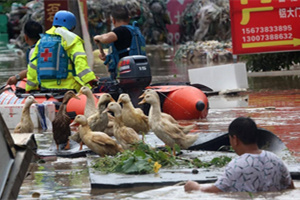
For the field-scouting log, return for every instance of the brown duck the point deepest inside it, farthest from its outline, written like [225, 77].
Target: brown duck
[61, 123]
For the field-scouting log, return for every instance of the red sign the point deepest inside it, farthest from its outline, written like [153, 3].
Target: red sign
[51, 7]
[265, 25]
[175, 9]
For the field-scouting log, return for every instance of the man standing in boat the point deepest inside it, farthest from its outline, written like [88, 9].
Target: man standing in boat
[59, 61]
[123, 40]
[254, 170]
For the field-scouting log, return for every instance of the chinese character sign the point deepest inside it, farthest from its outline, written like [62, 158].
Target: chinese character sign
[175, 9]
[51, 7]
[265, 25]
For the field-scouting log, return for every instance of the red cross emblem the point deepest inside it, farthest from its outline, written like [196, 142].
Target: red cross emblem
[46, 54]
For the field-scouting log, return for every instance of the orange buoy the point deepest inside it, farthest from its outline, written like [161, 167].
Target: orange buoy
[186, 103]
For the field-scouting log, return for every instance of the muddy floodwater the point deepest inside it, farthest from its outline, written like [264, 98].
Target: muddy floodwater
[272, 101]
[277, 111]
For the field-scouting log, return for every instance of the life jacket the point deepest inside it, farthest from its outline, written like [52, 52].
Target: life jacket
[73, 45]
[53, 59]
[137, 47]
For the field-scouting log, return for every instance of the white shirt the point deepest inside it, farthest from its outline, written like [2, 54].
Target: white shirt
[255, 173]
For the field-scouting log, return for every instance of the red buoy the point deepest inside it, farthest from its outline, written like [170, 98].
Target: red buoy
[186, 103]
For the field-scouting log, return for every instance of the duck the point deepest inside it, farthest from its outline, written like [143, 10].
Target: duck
[91, 109]
[186, 129]
[60, 124]
[166, 131]
[26, 125]
[76, 137]
[99, 142]
[133, 117]
[99, 120]
[109, 130]
[90, 104]
[126, 136]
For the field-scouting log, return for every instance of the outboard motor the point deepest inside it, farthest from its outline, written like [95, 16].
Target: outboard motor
[134, 74]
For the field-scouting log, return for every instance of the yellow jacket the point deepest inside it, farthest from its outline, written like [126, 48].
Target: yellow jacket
[73, 45]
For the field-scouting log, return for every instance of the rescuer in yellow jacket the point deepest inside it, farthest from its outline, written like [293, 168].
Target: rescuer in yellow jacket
[59, 60]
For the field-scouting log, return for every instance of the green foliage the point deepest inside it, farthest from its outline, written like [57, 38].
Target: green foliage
[144, 160]
[217, 162]
[270, 61]
[251, 195]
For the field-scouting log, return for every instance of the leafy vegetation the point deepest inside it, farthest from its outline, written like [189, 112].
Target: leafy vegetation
[251, 195]
[145, 160]
[270, 61]
[217, 162]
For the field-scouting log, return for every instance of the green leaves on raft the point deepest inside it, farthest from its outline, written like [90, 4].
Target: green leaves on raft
[144, 160]
[217, 162]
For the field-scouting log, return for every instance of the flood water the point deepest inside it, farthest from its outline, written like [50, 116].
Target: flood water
[273, 102]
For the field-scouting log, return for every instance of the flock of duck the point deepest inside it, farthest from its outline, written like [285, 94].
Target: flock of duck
[97, 125]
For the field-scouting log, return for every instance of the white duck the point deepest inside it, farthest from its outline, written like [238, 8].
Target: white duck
[166, 131]
[126, 136]
[98, 142]
[90, 104]
[133, 117]
[26, 124]
[166, 116]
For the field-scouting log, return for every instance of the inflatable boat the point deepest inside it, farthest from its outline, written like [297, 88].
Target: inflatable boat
[181, 100]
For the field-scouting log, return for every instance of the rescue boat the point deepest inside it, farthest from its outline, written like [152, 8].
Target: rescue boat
[182, 101]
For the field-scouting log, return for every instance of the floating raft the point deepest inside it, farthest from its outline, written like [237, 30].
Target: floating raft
[103, 183]
[113, 181]
[209, 143]
[73, 152]
[205, 142]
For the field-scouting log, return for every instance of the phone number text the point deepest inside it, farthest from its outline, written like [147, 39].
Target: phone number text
[267, 29]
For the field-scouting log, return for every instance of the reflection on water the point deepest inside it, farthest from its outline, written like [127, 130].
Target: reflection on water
[177, 192]
[274, 83]
[273, 102]
[11, 62]
[280, 118]
[225, 101]
[61, 178]
[56, 178]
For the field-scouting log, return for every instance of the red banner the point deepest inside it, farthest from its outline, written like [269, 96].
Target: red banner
[175, 9]
[51, 7]
[265, 25]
